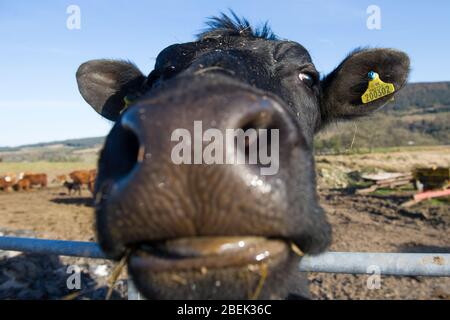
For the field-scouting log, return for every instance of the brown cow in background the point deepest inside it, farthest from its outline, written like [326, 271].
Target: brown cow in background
[83, 176]
[22, 184]
[7, 181]
[60, 178]
[38, 179]
[91, 186]
[86, 177]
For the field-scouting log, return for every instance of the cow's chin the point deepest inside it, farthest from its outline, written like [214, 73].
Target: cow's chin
[214, 268]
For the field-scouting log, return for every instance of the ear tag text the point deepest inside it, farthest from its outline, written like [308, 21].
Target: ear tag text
[377, 89]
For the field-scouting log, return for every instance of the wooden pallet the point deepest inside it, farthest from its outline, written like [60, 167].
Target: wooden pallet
[397, 181]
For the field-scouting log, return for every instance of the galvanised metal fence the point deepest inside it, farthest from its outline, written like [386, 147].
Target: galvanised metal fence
[398, 264]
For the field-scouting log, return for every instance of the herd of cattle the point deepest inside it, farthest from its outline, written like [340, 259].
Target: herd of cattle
[26, 180]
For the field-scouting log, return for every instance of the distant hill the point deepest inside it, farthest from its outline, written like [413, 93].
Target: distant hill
[73, 143]
[73, 150]
[420, 115]
[423, 97]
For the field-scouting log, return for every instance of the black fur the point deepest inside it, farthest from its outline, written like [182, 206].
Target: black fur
[225, 25]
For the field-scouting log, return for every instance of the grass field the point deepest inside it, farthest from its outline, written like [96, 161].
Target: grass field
[50, 168]
[391, 159]
[427, 149]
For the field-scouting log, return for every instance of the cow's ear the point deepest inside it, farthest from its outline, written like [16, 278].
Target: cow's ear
[105, 83]
[343, 89]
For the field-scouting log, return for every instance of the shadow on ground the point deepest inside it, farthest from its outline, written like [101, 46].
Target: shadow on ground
[77, 201]
[412, 247]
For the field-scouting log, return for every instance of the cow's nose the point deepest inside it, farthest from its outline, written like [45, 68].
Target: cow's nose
[143, 189]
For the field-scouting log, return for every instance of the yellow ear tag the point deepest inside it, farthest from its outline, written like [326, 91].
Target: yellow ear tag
[377, 89]
[127, 103]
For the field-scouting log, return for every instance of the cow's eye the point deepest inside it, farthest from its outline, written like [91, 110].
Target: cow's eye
[169, 72]
[306, 79]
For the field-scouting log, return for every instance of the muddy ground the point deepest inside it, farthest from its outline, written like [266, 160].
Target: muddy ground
[379, 224]
[51, 214]
[360, 223]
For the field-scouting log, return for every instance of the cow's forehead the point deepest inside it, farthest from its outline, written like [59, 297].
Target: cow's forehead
[276, 49]
[290, 50]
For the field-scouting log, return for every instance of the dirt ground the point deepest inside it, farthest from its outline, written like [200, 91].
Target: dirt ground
[379, 224]
[50, 213]
[360, 223]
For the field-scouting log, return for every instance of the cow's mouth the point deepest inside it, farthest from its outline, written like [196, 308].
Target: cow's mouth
[206, 252]
[236, 267]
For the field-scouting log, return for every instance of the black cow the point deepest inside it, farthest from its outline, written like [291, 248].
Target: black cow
[72, 186]
[211, 230]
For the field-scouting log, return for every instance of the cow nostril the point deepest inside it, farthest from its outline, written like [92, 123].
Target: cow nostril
[131, 152]
[254, 127]
[259, 120]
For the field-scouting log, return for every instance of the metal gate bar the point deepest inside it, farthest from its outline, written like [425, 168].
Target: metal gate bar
[56, 247]
[400, 264]
[397, 264]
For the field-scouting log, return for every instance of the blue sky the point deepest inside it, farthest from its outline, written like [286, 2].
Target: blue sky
[39, 98]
